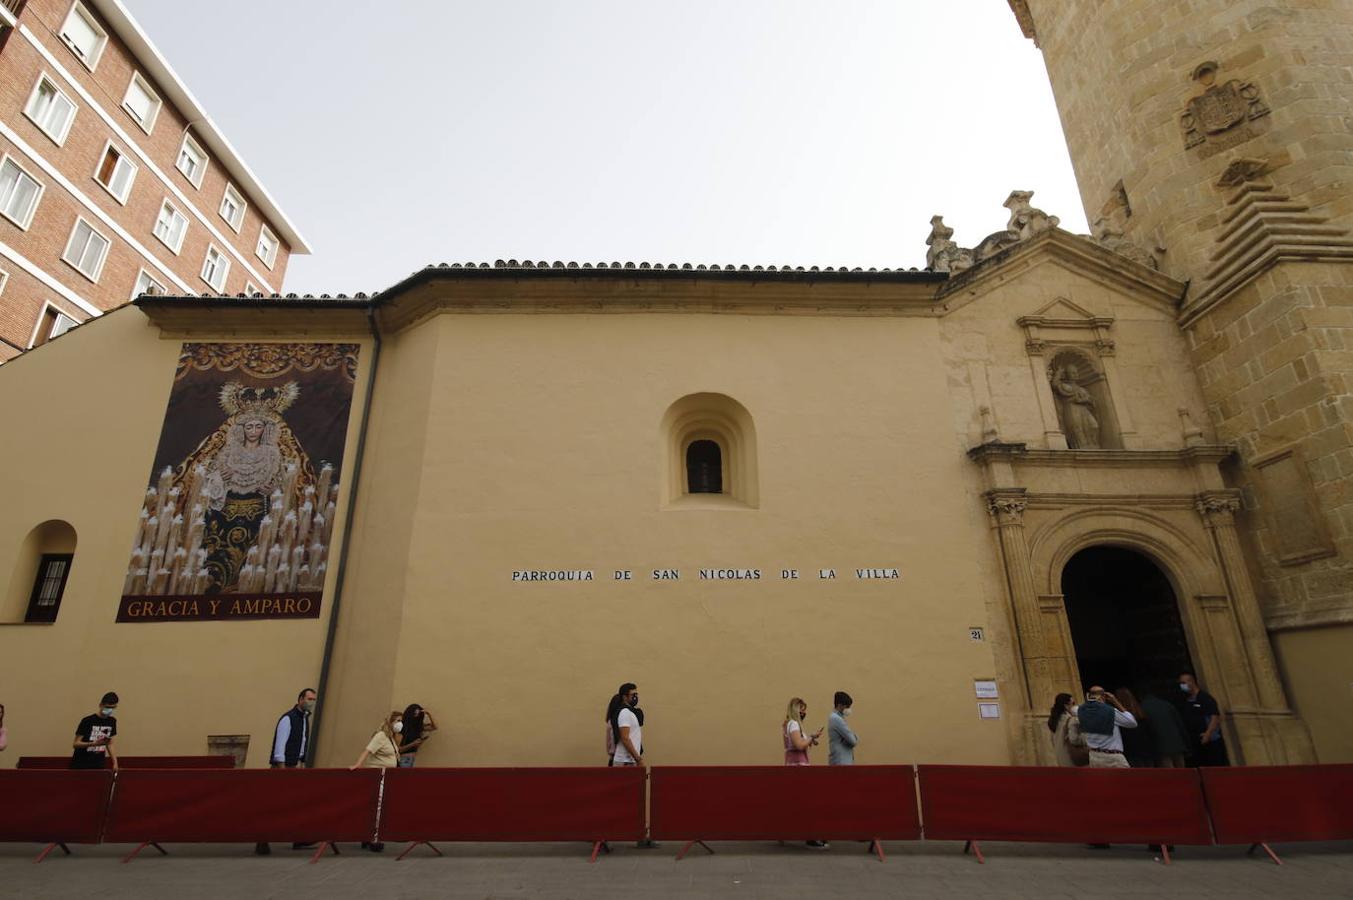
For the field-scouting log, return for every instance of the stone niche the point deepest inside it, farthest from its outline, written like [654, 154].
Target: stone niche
[1071, 360]
[1081, 398]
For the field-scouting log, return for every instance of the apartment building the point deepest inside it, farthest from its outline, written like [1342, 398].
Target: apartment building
[114, 181]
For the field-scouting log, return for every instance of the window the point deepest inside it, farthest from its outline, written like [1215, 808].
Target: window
[51, 110]
[86, 250]
[146, 284]
[52, 324]
[250, 289]
[704, 468]
[19, 193]
[215, 269]
[192, 161]
[4, 280]
[84, 36]
[53, 570]
[232, 207]
[171, 226]
[141, 103]
[267, 247]
[710, 442]
[116, 173]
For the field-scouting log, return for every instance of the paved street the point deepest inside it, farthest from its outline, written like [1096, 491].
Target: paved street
[746, 870]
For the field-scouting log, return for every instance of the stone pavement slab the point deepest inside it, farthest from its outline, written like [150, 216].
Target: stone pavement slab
[741, 870]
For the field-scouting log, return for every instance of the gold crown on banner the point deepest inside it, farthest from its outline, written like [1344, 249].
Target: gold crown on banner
[238, 398]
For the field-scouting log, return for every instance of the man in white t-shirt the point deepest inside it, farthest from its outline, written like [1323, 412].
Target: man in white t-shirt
[629, 746]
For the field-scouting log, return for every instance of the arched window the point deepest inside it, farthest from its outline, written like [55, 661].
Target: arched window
[710, 454]
[704, 468]
[41, 571]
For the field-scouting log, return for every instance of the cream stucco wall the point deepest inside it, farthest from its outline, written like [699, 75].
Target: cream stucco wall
[93, 402]
[541, 449]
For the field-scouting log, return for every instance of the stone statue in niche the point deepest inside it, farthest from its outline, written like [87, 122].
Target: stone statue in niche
[1075, 408]
[1219, 117]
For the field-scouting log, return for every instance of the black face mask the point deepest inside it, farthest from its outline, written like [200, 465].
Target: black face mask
[634, 699]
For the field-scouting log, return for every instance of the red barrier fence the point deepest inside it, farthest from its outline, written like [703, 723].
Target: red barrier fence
[134, 762]
[578, 804]
[54, 808]
[1018, 803]
[725, 803]
[245, 806]
[1263, 804]
[1252, 805]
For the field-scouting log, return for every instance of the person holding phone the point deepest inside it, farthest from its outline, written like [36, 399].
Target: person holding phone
[1101, 717]
[418, 727]
[93, 745]
[797, 743]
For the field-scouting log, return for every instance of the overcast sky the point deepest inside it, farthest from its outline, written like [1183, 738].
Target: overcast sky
[400, 133]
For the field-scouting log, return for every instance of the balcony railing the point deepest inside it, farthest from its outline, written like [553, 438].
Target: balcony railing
[14, 6]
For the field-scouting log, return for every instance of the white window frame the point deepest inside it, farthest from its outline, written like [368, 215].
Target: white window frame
[58, 139]
[103, 257]
[276, 244]
[123, 157]
[42, 317]
[136, 285]
[250, 289]
[225, 272]
[90, 62]
[4, 280]
[139, 81]
[23, 226]
[239, 200]
[206, 161]
[182, 234]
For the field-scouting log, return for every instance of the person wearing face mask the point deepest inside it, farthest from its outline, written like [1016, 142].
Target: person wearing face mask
[94, 737]
[382, 752]
[841, 740]
[625, 721]
[1202, 715]
[290, 740]
[796, 742]
[1068, 744]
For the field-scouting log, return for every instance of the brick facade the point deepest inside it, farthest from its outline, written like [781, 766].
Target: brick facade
[36, 49]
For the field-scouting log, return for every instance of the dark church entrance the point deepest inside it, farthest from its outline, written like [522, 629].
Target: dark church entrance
[1124, 620]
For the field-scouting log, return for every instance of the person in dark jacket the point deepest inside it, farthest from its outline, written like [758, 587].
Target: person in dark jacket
[290, 741]
[1168, 732]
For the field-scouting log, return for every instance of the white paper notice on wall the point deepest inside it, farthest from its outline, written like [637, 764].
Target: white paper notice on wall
[985, 690]
[988, 710]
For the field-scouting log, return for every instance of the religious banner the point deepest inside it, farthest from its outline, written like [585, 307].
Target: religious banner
[238, 518]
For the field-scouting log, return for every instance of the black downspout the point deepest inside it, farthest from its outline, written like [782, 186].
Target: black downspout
[322, 688]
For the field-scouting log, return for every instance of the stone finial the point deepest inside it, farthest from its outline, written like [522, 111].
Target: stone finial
[1026, 220]
[989, 433]
[1193, 435]
[944, 255]
[1106, 233]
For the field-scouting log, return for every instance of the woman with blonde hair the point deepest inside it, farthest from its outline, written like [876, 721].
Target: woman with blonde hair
[797, 744]
[382, 752]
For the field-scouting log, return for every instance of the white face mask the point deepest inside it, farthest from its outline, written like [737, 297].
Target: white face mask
[398, 727]
[845, 712]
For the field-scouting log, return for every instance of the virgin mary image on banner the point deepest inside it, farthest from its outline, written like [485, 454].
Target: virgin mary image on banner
[244, 492]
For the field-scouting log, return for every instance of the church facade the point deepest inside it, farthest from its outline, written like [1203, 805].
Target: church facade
[500, 490]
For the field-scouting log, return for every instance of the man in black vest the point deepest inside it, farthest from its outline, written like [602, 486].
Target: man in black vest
[290, 740]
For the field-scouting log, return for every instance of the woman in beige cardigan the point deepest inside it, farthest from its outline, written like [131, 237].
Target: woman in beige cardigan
[1068, 744]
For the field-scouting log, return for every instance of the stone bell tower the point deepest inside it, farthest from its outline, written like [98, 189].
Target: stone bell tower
[1216, 137]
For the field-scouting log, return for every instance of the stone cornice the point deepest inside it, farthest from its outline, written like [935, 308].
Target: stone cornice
[1020, 454]
[1079, 254]
[197, 321]
[585, 293]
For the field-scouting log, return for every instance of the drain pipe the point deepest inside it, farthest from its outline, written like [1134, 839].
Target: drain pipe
[323, 686]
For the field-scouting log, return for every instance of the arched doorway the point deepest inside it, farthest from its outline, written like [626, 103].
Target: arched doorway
[1124, 620]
